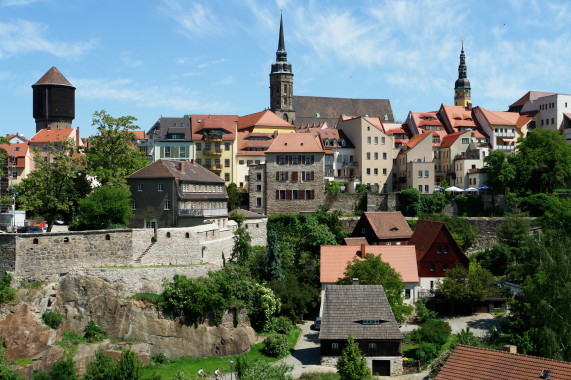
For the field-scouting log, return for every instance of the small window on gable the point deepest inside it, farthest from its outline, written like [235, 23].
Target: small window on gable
[107, 237]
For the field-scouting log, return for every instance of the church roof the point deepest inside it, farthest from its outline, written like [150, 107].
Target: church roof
[315, 109]
[53, 76]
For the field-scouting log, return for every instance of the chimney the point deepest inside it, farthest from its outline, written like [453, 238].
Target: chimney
[180, 166]
[361, 253]
[355, 281]
[77, 139]
[510, 348]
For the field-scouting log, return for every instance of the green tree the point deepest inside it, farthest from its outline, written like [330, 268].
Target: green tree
[371, 270]
[238, 218]
[408, 202]
[273, 258]
[333, 188]
[265, 307]
[500, 173]
[111, 155]
[242, 248]
[7, 293]
[45, 191]
[548, 156]
[105, 207]
[104, 367]
[352, 364]
[130, 366]
[236, 196]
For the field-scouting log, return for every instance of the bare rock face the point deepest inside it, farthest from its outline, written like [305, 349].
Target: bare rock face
[25, 336]
[81, 298]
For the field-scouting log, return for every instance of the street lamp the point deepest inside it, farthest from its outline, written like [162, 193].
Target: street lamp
[231, 362]
[14, 195]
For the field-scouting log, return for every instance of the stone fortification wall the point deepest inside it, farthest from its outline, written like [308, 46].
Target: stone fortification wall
[46, 256]
[375, 202]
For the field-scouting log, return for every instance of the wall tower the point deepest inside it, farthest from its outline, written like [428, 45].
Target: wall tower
[281, 82]
[462, 95]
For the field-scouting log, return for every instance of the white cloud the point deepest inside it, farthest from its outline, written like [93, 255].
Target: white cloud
[18, 3]
[21, 37]
[195, 19]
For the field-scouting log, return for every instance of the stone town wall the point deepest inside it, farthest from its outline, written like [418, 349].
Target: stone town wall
[47, 256]
[375, 202]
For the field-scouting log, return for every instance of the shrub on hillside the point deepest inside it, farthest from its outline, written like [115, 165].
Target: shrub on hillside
[7, 293]
[52, 319]
[432, 331]
[283, 325]
[94, 332]
[426, 351]
[276, 346]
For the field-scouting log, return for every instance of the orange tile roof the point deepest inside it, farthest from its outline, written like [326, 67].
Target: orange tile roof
[391, 128]
[500, 117]
[46, 135]
[388, 224]
[295, 143]
[458, 116]
[334, 259]
[18, 150]
[263, 119]
[414, 140]
[224, 122]
[355, 240]
[139, 135]
[11, 136]
[523, 120]
[448, 140]
[472, 363]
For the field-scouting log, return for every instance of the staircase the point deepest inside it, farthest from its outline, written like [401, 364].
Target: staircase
[138, 259]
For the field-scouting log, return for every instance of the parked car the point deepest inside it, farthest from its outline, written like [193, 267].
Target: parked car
[317, 324]
[30, 230]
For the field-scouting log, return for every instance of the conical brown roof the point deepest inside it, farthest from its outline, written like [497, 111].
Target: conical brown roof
[53, 76]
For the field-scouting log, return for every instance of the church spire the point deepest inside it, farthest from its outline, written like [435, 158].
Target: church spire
[281, 54]
[462, 86]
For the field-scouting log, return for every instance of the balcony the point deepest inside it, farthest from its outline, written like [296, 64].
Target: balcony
[350, 164]
[212, 152]
[206, 212]
[348, 178]
[465, 157]
[213, 167]
[212, 137]
[505, 147]
[504, 134]
[401, 180]
[424, 293]
[440, 173]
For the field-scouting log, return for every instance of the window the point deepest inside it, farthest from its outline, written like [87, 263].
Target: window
[369, 140]
[258, 176]
[258, 202]
[445, 267]
[426, 189]
[446, 249]
[426, 174]
[282, 176]
[258, 187]
[295, 159]
[439, 249]
[217, 162]
[372, 347]
[384, 171]
[207, 146]
[257, 162]
[208, 162]
[384, 156]
[226, 176]
[376, 155]
[282, 194]
[241, 162]
[433, 267]
[133, 205]
[465, 140]
[199, 161]
[198, 146]
[363, 231]
[335, 346]
[420, 174]
[368, 171]
[382, 140]
[376, 140]
[376, 171]
[227, 163]
[140, 187]
[388, 243]
[308, 160]
[227, 146]
[420, 188]
[282, 160]
[160, 187]
[250, 162]
[167, 205]
[407, 294]
[368, 155]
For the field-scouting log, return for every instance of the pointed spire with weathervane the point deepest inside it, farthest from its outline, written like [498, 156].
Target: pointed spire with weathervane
[281, 82]
[462, 86]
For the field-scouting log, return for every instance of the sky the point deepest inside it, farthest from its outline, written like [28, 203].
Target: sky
[153, 58]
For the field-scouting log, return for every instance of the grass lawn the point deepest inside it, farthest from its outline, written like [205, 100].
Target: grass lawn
[190, 366]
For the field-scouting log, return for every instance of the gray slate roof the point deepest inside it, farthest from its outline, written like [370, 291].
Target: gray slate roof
[346, 306]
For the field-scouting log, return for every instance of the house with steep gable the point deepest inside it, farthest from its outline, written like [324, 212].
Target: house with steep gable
[335, 258]
[415, 164]
[383, 228]
[170, 138]
[364, 312]
[436, 252]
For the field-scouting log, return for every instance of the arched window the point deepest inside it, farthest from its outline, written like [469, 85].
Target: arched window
[107, 237]
[36, 241]
[168, 234]
[187, 235]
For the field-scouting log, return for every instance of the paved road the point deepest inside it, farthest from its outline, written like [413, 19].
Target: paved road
[479, 324]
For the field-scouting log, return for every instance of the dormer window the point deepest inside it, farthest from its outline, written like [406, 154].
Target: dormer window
[326, 142]
[371, 322]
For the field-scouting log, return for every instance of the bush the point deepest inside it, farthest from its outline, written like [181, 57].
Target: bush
[276, 346]
[333, 188]
[423, 313]
[103, 367]
[432, 331]
[159, 358]
[426, 351]
[283, 325]
[93, 332]
[152, 298]
[7, 293]
[130, 366]
[52, 319]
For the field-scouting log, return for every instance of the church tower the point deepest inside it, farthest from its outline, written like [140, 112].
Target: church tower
[54, 101]
[281, 82]
[462, 85]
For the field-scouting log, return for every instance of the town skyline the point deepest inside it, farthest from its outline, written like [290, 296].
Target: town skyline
[144, 63]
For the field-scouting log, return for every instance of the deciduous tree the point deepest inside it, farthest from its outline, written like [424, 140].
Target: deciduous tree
[242, 247]
[105, 207]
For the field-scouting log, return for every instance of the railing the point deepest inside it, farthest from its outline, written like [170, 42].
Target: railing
[212, 137]
[351, 164]
[504, 134]
[354, 178]
[505, 147]
[465, 157]
[440, 173]
[213, 151]
[425, 293]
[203, 211]
[213, 167]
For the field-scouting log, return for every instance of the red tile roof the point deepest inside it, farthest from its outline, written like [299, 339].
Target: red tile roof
[263, 119]
[295, 143]
[17, 150]
[46, 135]
[472, 363]
[388, 225]
[424, 235]
[500, 117]
[334, 259]
[355, 240]
[139, 135]
[414, 140]
[53, 76]
[458, 116]
[450, 139]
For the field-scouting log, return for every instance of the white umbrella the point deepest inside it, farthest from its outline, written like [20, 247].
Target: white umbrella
[471, 189]
[454, 188]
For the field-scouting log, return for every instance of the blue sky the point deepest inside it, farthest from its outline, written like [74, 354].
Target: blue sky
[153, 58]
